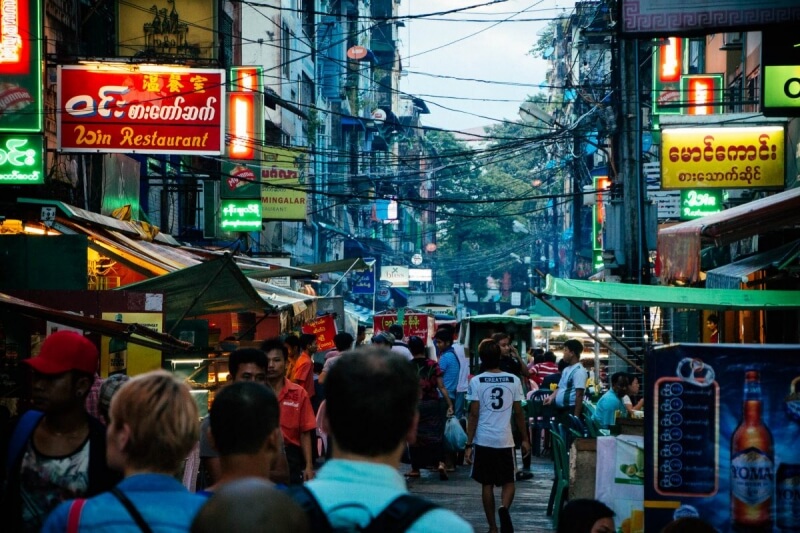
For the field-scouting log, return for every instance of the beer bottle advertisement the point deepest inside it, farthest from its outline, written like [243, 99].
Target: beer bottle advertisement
[722, 436]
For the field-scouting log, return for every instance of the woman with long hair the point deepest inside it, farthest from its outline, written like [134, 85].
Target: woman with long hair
[428, 449]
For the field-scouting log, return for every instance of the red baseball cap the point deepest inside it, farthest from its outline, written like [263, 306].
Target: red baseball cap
[64, 351]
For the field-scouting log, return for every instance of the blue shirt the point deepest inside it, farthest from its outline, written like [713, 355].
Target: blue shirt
[448, 362]
[353, 493]
[605, 412]
[163, 502]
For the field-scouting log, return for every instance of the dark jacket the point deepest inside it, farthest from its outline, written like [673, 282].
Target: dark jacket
[101, 477]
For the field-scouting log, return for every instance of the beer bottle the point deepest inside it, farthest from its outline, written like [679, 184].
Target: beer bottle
[787, 507]
[752, 480]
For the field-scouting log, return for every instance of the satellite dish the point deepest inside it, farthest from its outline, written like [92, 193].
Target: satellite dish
[548, 52]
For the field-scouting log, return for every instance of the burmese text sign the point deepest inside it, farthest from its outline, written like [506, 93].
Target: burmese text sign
[283, 180]
[152, 110]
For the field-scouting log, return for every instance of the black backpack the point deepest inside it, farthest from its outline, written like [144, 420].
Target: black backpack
[397, 517]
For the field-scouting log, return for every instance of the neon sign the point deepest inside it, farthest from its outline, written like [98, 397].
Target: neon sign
[21, 160]
[668, 65]
[245, 79]
[245, 119]
[20, 66]
[240, 215]
[703, 94]
[698, 203]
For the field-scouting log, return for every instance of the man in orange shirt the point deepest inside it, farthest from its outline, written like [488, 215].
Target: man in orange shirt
[297, 420]
[303, 371]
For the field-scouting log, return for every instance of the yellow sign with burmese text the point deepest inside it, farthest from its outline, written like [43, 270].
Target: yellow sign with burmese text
[724, 158]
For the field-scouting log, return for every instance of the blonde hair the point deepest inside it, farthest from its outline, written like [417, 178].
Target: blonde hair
[163, 420]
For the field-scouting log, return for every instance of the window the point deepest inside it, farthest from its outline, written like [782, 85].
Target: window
[286, 50]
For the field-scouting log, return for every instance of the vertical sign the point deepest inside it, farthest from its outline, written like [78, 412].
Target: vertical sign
[245, 125]
[668, 67]
[702, 93]
[21, 66]
[245, 79]
[601, 184]
[283, 175]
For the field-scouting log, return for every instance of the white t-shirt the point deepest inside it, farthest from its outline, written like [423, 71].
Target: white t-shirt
[463, 374]
[495, 393]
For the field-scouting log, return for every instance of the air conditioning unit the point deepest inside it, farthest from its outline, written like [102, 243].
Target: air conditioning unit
[732, 41]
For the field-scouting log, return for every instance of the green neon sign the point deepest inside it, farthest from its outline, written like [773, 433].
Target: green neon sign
[21, 160]
[21, 66]
[240, 215]
[697, 203]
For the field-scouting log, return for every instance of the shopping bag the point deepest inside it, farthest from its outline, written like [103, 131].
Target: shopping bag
[454, 436]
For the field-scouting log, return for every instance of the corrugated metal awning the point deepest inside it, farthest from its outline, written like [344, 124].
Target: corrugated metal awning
[733, 275]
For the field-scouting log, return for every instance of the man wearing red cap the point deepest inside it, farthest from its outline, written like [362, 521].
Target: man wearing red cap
[56, 451]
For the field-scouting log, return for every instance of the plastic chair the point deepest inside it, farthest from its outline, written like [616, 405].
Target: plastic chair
[578, 428]
[538, 415]
[560, 491]
[591, 425]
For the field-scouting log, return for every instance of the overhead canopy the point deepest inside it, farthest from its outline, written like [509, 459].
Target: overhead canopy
[217, 286]
[133, 333]
[732, 276]
[341, 265]
[500, 319]
[679, 245]
[680, 297]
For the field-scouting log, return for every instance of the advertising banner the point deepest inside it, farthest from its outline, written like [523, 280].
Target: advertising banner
[169, 29]
[416, 324]
[141, 109]
[324, 328]
[21, 66]
[284, 176]
[21, 159]
[117, 356]
[722, 423]
[725, 158]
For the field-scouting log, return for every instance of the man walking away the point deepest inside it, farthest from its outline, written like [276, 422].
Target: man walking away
[398, 345]
[371, 410]
[495, 396]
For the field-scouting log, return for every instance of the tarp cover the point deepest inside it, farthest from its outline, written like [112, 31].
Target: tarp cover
[664, 296]
[679, 245]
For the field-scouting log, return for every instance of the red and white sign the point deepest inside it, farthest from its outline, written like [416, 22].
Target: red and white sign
[141, 109]
[416, 324]
[357, 52]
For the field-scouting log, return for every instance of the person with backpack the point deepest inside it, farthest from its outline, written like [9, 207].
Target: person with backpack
[55, 451]
[371, 397]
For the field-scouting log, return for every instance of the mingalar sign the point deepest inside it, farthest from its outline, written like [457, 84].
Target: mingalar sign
[141, 109]
[726, 158]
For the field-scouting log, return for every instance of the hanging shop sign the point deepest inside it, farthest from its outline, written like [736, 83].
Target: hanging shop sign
[601, 185]
[420, 274]
[147, 109]
[667, 71]
[240, 215]
[703, 94]
[283, 183]
[245, 125]
[324, 329]
[21, 159]
[722, 158]
[20, 66]
[395, 274]
[167, 29]
[696, 203]
[246, 79]
[780, 64]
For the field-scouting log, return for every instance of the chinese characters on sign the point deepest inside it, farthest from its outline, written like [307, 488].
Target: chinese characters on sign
[132, 109]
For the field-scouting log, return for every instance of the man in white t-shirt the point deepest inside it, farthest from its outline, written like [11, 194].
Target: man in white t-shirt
[494, 396]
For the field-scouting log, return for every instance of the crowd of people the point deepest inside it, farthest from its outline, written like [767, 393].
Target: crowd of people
[100, 454]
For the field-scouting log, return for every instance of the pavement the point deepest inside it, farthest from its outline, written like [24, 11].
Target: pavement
[463, 495]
